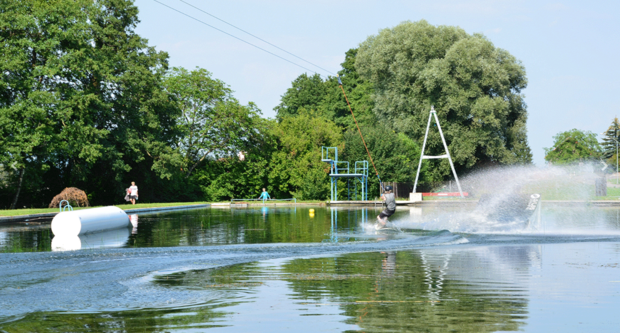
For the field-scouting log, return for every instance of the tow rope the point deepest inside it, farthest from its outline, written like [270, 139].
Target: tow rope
[360, 132]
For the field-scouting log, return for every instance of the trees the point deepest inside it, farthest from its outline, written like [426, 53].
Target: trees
[230, 177]
[285, 158]
[325, 96]
[610, 142]
[296, 166]
[124, 76]
[212, 121]
[474, 86]
[85, 102]
[81, 98]
[395, 155]
[572, 147]
[359, 93]
[306, 92]
[33, 34]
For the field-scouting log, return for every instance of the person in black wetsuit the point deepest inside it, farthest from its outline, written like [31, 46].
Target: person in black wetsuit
[390, 203]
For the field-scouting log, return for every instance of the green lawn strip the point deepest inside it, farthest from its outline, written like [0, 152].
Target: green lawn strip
[571, 191]
[30, 211]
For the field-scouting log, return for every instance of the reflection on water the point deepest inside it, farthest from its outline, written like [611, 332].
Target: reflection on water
[134, 223]
[25, 237]
[434, 290]
[201, 227]
[359, 217]
[108, 238]
[516, 282]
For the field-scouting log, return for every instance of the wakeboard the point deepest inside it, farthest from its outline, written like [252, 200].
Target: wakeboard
[385, 228]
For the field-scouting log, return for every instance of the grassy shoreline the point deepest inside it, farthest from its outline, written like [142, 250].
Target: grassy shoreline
[30, 211]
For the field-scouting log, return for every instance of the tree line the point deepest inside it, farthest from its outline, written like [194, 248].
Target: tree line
[577, 146]
[86, 102]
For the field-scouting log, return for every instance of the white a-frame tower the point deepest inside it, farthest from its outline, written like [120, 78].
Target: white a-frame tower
[427, 157]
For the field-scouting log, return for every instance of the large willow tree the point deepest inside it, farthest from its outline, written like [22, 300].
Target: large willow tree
[474, 86]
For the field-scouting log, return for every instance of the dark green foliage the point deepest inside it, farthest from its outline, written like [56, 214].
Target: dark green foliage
[286, 160]
[81, 104]
[474, 86]
[85, 102]
[359, 94]
[573, 146]
[227, 177]
[326, 96]
[307, 92]
[212, 121]
[296, 166]
[610, 143]
[395, 155]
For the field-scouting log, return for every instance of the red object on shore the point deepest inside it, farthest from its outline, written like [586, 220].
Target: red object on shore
[444, 194]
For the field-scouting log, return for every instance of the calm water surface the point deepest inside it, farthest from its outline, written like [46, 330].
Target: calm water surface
[278, 269]
[202, 227]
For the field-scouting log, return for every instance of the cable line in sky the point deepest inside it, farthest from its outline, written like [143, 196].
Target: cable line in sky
[235, 37]
[277, 47]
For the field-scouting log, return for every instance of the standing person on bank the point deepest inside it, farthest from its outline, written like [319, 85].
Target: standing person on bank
[390, 203]
[133, 193]
[264, 195]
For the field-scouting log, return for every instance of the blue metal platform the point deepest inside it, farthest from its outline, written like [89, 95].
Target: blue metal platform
[341, 169]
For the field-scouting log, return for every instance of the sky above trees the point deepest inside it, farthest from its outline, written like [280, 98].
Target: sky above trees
[568, 48]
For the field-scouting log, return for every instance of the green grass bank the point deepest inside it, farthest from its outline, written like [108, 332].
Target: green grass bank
[30, 211]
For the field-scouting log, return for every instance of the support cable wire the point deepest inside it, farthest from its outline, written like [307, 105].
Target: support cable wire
[235, 37]
[360, 131]
[262, 40]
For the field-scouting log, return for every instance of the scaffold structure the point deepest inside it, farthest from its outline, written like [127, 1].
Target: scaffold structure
[341, 169]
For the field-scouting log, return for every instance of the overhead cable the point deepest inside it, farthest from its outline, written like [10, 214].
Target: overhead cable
[360, 132]
[235, 37]
[277, 47]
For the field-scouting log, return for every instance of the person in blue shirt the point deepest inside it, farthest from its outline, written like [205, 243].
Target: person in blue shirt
[264, 195]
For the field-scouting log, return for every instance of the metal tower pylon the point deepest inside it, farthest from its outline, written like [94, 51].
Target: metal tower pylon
[428, 157]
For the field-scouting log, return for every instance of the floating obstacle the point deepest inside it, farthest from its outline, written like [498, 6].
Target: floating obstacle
[79, 222]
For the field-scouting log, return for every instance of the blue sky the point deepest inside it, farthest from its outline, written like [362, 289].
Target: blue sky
[570, 49]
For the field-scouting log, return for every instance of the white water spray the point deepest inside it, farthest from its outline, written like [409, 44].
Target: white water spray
[503, 194]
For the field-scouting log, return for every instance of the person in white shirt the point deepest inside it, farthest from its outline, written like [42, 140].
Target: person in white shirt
[133, 195]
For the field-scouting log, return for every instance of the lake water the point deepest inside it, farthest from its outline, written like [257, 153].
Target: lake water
[269, 269]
